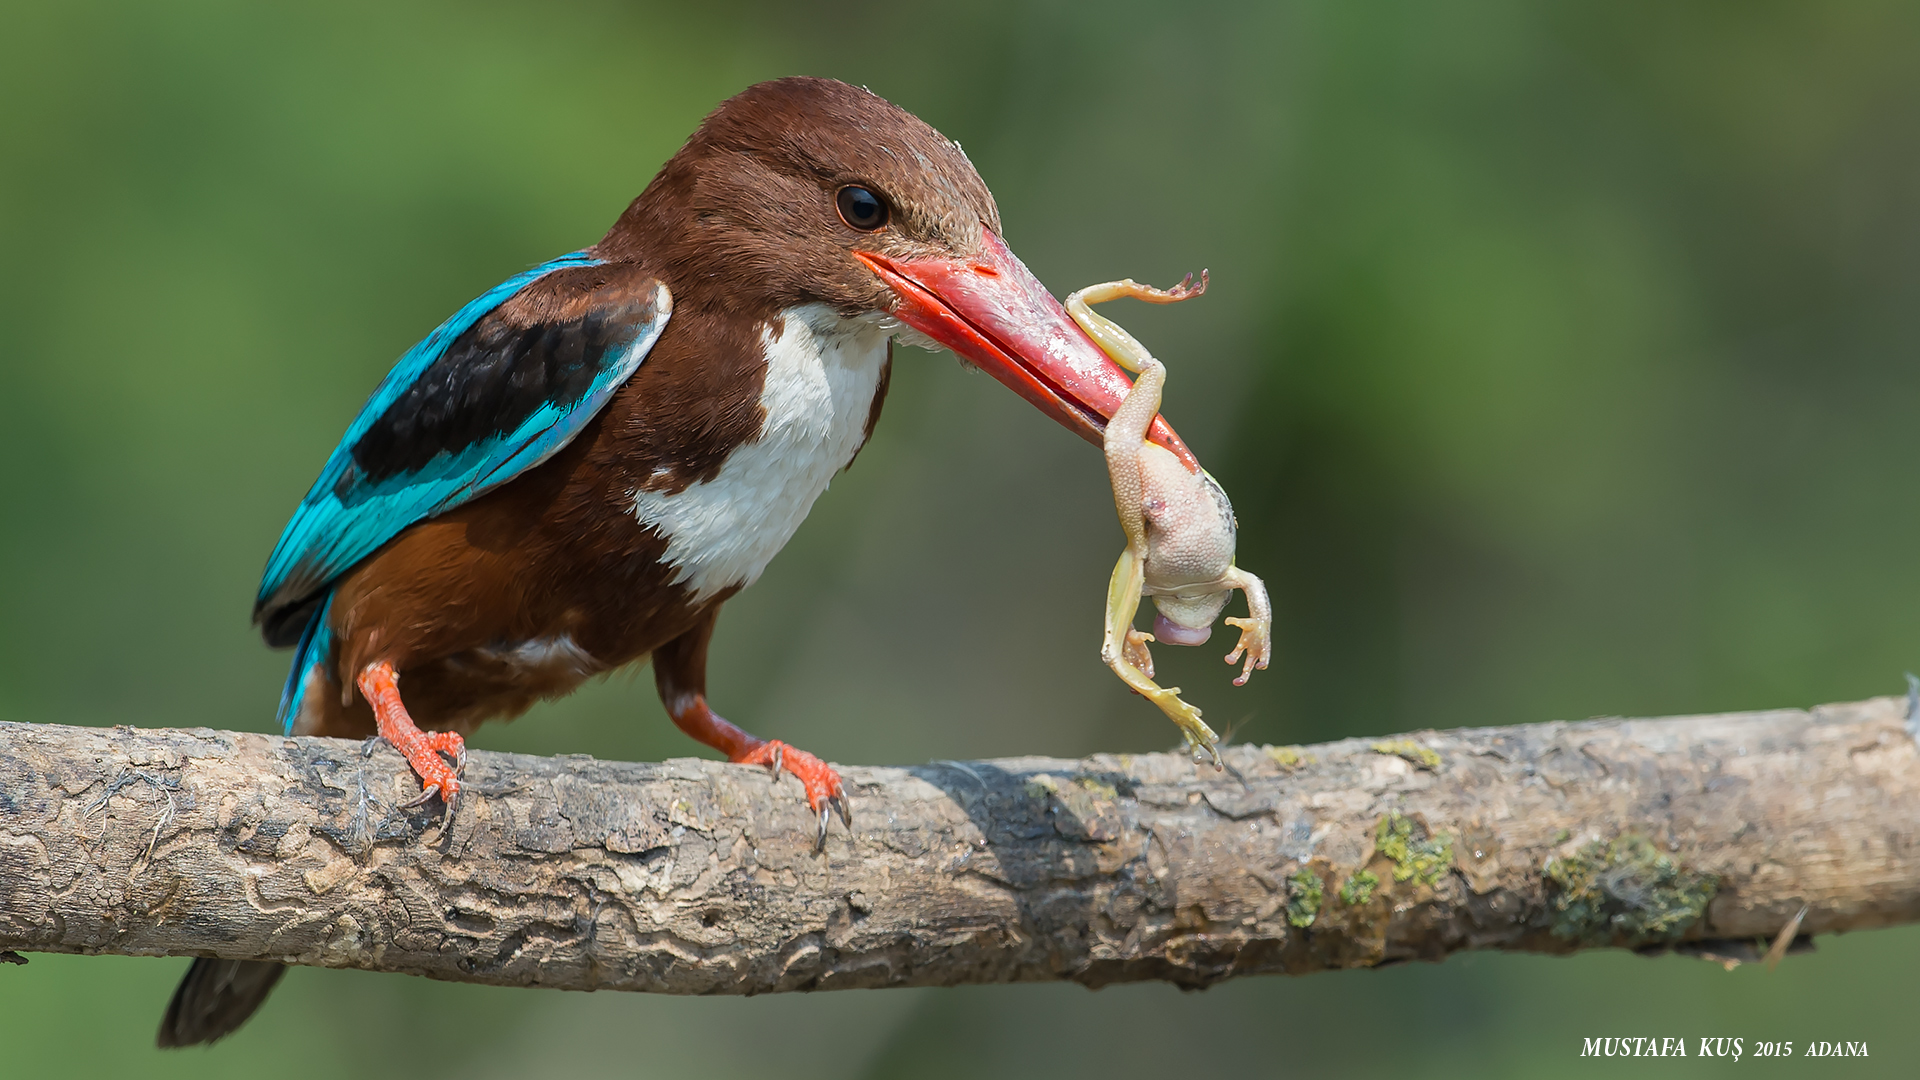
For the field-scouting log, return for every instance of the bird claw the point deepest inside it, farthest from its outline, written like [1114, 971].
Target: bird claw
[447, 786]
[843, 805]
[436, 777]
[426, 795]
[449, 802]
[825, 794]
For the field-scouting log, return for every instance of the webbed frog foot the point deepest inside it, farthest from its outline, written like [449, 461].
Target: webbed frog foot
[1201, 741]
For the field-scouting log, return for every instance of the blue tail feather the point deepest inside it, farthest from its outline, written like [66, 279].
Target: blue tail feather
[316, 642]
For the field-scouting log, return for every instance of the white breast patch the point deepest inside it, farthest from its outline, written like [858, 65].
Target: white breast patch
[822, 371]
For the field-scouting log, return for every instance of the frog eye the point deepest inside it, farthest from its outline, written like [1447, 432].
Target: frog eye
[861, 209]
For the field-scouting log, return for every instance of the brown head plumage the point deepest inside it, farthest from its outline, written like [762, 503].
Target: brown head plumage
[745, 216]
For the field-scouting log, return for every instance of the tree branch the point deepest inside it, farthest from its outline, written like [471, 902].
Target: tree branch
[1702, 833]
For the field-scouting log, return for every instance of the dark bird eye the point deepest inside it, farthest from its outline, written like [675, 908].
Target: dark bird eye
[861, 209]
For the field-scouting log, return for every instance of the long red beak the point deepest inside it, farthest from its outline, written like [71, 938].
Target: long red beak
[993, 311]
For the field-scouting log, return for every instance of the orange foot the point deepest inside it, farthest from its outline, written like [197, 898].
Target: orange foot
[822, 783]
[380, 685]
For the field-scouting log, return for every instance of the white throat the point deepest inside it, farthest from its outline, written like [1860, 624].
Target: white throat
[822, 372]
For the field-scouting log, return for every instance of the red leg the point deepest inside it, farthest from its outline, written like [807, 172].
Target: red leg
[380, 685]
[680, 671]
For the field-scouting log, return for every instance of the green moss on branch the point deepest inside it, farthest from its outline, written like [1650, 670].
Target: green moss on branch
[1305, 891]
[1416, 856]
[1624, 892]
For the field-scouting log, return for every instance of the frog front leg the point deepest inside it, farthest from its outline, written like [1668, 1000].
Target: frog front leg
[1256, 630]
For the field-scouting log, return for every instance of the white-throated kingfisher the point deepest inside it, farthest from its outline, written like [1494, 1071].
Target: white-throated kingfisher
[574, 471]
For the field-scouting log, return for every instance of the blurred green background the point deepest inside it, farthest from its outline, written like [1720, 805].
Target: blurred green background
[1561, 360]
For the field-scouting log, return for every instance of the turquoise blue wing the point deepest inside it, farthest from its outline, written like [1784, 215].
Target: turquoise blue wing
[498, 388]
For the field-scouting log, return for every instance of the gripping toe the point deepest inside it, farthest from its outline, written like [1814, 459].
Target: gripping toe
[822, 783]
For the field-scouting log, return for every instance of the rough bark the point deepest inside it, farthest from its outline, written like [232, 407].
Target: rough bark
[1700, 833]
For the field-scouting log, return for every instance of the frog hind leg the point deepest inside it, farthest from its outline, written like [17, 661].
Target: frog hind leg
[1124, 647]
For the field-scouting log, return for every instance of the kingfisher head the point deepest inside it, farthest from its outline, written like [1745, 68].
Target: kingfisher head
[807, 190]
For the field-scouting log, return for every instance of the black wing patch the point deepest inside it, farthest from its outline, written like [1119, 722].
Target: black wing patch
[488, 382]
